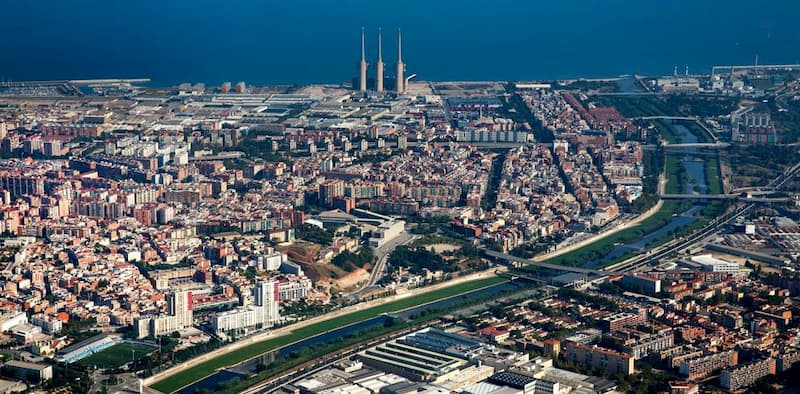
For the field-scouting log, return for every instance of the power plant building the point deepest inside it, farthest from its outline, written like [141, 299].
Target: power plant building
[379, 66]
[362, 66]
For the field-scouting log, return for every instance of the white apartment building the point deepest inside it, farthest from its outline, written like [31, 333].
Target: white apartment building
[264, 313]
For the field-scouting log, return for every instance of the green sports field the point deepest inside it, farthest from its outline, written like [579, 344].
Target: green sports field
[117, 355]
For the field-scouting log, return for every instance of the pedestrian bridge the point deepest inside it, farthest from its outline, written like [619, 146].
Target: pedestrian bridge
[748, 198]
[520, 262]
[678, 147]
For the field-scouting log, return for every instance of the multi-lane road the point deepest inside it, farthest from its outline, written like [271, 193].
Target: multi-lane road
[381, 258]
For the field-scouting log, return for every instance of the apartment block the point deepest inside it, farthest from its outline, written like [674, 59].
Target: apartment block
[654, 343]
[618, 321]
[786, 361]
[700, 367]
[735, 378]
[600, 358]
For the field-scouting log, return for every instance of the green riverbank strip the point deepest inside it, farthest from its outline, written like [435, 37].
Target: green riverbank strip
[207, 368]
[604, 246]
[676, 179]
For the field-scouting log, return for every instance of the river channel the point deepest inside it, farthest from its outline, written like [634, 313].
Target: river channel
[696, 183]
[248, 367]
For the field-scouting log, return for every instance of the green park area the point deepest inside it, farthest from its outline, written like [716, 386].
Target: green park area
[200, 371]
[117, 355]
[633, 106]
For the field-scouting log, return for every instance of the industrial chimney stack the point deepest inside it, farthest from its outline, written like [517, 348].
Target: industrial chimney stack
[401, 82]
[379, 65]
[362, 76]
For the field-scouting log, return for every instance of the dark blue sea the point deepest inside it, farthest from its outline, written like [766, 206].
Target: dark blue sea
[305, 41]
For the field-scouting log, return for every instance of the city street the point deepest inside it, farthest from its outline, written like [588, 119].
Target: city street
[381, 258]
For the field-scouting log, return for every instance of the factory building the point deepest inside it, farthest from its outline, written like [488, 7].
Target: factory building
[710, 263]
[642, 284]
[10, 320]
[754, 128]
[30, 372]
[425, 355]
[386, 232]
[515, 380]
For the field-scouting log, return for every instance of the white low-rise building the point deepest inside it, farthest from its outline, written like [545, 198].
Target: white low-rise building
[385, 232]
[49, 324]
[271, 261]
[713, 264]
[294, 289]
[12, 319]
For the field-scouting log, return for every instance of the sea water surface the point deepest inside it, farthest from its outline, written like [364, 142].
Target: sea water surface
[317, 41]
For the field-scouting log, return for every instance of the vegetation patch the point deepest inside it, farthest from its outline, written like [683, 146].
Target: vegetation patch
[349, 261]
[311, 233]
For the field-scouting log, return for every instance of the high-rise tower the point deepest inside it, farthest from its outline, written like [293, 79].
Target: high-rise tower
[362, 75]
[401, 82]
[379, 66]
[267, 297]
[180, 305]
